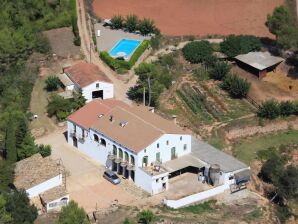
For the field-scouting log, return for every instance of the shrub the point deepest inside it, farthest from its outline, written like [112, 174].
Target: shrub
[146, 217]
[117, 22]
[155, 42]
[236, 86]
[52, 83]
[197, 51]
[269, 109]
[235, 45]
[219, 70]
[44, 150]
[72, 213]
[131, 23]
[146, 26]
[287, 108]
[116, 64]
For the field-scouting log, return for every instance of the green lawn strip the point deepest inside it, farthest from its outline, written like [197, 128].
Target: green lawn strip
[246, 149]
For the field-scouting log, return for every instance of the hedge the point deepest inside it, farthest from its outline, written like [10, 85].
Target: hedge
[116, 64]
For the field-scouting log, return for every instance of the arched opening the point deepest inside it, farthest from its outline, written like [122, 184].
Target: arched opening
[120, 153]
[103, 142]
[132, 160]
[145, 161]
[95, 137]
[114, 150]
[126, 156]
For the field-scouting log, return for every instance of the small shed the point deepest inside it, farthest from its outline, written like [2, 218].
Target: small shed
[258, 63]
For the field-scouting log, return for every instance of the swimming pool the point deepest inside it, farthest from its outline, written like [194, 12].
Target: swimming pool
[124, 48]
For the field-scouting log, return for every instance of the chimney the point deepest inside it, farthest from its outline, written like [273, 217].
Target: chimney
[174, 118]
[111, 118]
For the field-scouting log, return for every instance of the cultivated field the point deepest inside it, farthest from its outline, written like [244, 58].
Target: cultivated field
[196, 17]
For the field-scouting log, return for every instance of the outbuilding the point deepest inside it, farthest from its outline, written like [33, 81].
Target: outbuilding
[258, 63]
[89, 79]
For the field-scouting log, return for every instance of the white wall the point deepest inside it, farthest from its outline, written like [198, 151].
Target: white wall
[93, 149]
[44, 186]
[108, 90]
[195, 197]
[164, 149]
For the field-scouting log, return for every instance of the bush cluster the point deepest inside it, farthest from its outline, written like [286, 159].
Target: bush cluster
[52, 83]
[272, 109]
[237, 87]
[117, 64]
[74, 23]
[197, 51]
[242, 44]
[131, 23]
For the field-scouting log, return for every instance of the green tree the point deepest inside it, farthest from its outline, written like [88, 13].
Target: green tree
[18, 205]
[131, 23]
[117, 22]
[219, 70]
[10, 142]
[79, 101]
[197, 51]
[58, 104]
[146, 26]
[269, 109]
[6, 175]
[72, 214]
[271, 169]
[242, 44]
[287, 182]
[146, 217]
[28, 147]
[52, 83]
[236, 86]
[5, 217]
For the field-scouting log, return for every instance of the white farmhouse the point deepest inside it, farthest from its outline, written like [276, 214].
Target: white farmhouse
[89, 79]
[42, 178]
[146, 148]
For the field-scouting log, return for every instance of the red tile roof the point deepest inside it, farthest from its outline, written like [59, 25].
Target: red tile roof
[87, 115]
[84, 74]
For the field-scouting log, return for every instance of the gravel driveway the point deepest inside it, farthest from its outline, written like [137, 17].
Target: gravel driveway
[84, 179]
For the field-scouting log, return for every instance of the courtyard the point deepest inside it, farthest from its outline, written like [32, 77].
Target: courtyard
[84, 179]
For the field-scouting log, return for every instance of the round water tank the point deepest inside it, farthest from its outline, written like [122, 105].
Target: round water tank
[214, 174]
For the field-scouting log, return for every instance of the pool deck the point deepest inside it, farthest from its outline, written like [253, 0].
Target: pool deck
[109, 38]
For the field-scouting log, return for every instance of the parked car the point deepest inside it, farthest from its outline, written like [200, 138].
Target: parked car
[112, 177]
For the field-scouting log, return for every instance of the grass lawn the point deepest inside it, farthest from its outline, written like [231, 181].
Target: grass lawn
[246, 149]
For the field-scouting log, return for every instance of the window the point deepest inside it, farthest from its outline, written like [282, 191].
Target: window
[184, 147]
[126, 156]
[132, 160]
[158, 157]
[95, 137]
[97, 85]
[167, 142]
[157, 180]
[114, 150]
[74, 128]
[53, 204]
[231, 177]
[121, 153]
[158, 145]
[145, 161]
[103, 142]
[180, 138]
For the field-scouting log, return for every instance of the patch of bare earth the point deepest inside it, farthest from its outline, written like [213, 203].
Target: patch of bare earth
[61, 41]
[196, 17]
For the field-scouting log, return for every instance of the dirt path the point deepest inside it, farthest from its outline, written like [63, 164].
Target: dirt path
[120, 87]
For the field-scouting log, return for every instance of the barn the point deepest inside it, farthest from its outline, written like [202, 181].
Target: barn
[258, 63]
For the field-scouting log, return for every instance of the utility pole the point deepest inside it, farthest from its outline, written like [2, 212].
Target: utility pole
[149, 89]
[90, 52]
[144, 96]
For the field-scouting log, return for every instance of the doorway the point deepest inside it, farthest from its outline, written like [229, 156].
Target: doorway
[97, 94]
[75, 141]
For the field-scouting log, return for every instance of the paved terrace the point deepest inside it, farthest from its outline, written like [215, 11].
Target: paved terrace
[109, 38]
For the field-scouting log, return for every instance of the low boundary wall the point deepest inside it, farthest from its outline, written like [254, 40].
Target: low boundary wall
[195, 197]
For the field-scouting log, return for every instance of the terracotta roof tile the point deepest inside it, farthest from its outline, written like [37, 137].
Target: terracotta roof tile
[143, 127]
[84, 74]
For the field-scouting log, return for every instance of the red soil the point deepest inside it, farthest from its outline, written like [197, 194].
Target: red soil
[196, 17]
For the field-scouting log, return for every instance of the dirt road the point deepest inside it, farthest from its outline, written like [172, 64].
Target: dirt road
[120, 87]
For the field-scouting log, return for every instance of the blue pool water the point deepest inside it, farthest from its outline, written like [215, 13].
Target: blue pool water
[124, 48]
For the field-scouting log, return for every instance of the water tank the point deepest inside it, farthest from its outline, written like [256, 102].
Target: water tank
[214, 174]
